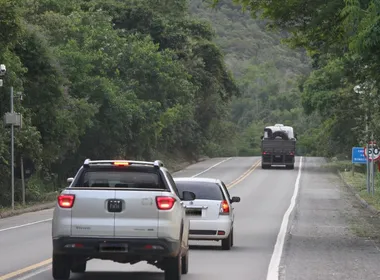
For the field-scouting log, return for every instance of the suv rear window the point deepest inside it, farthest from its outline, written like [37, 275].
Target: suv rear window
[119, 178]
[202, 190]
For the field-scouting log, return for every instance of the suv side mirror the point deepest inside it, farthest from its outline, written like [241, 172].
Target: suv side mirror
[69, 180]
[188, 196]
[235, 199]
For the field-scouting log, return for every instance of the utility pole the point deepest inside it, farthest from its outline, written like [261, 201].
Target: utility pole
[368, 161]
[13, 120]
[13, 154]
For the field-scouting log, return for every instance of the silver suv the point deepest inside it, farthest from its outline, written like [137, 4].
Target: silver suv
[125, 211]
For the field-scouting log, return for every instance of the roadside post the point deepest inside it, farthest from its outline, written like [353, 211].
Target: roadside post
[372, 153]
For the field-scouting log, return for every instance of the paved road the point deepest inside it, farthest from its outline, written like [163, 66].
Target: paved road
[266, 196]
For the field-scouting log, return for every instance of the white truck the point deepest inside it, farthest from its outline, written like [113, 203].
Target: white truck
[278, 146]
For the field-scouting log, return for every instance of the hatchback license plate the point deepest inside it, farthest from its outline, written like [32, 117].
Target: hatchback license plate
[194, 212]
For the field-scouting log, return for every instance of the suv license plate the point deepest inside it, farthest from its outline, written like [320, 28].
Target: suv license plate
[113, 248]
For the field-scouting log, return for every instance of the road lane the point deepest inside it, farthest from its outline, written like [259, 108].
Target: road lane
[265, 197]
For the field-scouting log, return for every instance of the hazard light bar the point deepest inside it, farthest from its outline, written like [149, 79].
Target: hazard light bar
[156, 163]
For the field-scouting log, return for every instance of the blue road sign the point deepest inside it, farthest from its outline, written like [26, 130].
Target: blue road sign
[358, 155]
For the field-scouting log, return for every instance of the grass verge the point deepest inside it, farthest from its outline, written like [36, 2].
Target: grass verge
[357, 181]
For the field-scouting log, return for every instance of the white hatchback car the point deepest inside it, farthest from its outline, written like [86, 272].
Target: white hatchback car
[211, 213]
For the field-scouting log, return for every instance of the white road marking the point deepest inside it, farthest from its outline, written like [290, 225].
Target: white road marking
[47, 220]
[211, 167]
[274, 265]
[34, 273]
[25, 225]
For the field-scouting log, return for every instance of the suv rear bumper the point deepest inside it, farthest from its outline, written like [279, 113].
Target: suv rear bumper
[90, 247]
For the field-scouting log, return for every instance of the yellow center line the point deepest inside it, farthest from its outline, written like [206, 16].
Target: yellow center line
[25, 270]
[243, 176]
[47, 262]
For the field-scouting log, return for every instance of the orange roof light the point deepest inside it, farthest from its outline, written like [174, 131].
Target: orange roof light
[121, 163]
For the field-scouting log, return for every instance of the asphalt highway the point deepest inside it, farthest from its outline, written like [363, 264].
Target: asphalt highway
[262, 220]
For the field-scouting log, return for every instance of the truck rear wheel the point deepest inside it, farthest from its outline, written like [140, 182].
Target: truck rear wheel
[290, 166]
[265, 166]
[79, 267]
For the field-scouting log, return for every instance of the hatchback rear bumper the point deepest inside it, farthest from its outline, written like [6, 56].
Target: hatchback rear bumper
[110, 248]
[210, 229]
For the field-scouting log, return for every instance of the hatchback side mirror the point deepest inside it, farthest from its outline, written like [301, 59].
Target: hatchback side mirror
[235, 199]
[188, 196]
[69, 180]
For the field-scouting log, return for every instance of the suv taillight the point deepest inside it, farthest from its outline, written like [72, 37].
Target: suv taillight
[224, 208]
[66, 200]
[165, 202]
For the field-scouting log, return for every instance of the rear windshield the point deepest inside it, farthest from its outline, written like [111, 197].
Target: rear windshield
[119, 178]
[202, 190]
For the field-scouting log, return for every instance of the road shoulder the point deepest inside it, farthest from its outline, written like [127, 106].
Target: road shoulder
[331, 234]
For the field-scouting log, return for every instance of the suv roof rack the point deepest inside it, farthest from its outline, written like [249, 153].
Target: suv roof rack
[156, 163]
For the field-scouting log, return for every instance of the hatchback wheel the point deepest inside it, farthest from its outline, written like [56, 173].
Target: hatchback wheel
[227, 243]
[232, 237]
[185, 263]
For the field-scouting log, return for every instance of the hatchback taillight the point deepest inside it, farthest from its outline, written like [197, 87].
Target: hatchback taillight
[66, 200]
[224, 208]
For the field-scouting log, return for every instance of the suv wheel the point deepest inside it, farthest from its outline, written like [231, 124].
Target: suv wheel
[61, 267]
[227, 243]
[173, 269]
[185, 263]
[79, 267]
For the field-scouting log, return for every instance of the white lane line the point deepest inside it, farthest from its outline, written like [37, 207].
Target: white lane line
[25, 225]
[34, 273]
[211, 167]
[274, 265]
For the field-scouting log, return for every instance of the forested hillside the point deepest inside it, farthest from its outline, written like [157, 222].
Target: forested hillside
[267, 73]
[108, 79]
[342, 39]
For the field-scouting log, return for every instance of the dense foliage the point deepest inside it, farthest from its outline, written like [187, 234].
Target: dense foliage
[108, 79]
[342, 39]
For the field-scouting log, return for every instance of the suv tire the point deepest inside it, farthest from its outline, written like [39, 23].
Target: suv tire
[79, 267]
[173, 270]
[61, 267]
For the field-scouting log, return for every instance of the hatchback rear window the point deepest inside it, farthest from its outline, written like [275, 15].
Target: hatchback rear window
[202, 190]
[124, 178]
